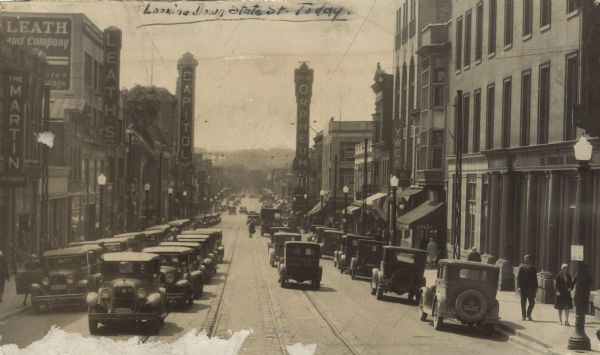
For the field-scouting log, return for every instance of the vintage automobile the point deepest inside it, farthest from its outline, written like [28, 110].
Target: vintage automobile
[232, 210]
[206, 253]
[130, 292]
[198, 262]
[368, 256]
[140, 239]
[253, 216]
[243, 209]
[401, 271]
[131, 243]
[465, 291]
[181, 283]
[180, 225]
[319, 232]
[269, 217]
[277, 244]
[301, 263]
[347, 249]
[153, 237]
[331, 241]
[65, 277]
[166, 230]
[216, 236]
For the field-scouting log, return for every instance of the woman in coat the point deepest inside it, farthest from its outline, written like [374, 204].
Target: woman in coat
[563, 286]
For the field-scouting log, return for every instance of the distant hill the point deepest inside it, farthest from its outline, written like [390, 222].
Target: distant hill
[261, 159]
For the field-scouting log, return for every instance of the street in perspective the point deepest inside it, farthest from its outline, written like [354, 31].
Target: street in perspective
[284, 177]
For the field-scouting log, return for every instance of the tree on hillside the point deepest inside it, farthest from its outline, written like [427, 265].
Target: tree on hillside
[143, 103]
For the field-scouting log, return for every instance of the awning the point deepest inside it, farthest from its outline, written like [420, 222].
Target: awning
[315, 210]
[427, 212]
[351, 209]
[406, 194]
[373, 198]
[59, 106]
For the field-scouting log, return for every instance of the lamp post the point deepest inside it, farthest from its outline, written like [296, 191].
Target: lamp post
[170, 191]
[394, 185]
[322, 194]
[147, 190]
[583, 154]
[210, 206]
[101, 183]
[184, 204]
[345, 189]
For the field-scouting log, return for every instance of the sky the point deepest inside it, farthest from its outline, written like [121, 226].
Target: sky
[245, 77]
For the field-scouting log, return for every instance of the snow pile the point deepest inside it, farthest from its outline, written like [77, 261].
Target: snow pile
[59, 342]
[299, 349]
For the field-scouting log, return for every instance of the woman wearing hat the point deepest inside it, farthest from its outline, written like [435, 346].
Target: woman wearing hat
[563, 286]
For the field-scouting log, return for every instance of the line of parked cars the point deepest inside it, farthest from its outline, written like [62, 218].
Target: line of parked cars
[463, 290]
[129, 278]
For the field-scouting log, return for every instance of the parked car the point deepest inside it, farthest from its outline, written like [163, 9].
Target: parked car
[368, 256]
[153, 237]
[198, 261]
[465, 291]
[112, 245]
[331, 241]
[301, 263]
[243, 209]
[64, 278]
[180, 225]
[216, 236]
[130, 292]
[319, 232]
[167, 231]
[140, 239]
[181, 283]
[277, 243]
[232, 209]
[269, 217]
[347, 249]
[208, 257]
[401, 271]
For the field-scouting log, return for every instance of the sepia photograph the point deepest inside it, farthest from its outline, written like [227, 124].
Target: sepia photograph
[296, 177]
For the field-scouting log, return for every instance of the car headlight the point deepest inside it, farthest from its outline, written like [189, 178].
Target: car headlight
[169, 278]
[45, 281]
[70, 279]
[140, 293]
[105, 293]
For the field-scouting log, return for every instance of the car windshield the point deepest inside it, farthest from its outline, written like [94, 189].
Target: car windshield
[116, 269]
[471, 274]
[302, 251]
[170, 260]
[113, 247]
[68, 262]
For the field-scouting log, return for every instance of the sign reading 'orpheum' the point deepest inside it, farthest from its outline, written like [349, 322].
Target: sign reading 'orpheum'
[187, 68]
[15, 116]
[303, 77]
[112, 62]
[51, 35]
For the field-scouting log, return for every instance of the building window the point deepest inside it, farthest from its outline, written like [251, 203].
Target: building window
[422, 153]
[508, 22]
[411, 88]
[506, 110]
[458, 59]
[347, 151]
[87, 69]
[398, 21]
[544, 104]
[525, 107]
[468, 39]
[425, 84]
[476, 119]
[471, 211]
[572, 5]
[545, 13]
[413, 10]
[571, 95]
[439, 80]
[527, 17]
[483, 229]
[465, 122]
[492, 28]
[479, 32]
[489, 117]
[404, 96]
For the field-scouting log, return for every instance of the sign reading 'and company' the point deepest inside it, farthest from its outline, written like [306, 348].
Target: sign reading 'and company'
[15, 116]
[186, 126]
[52, 35]
[303, 77]
[112, 55]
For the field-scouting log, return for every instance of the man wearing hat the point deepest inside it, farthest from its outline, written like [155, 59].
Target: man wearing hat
[474, 255]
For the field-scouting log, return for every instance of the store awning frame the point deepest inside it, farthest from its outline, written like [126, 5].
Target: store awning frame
[423, 213]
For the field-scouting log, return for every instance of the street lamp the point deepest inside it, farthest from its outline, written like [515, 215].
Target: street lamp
[394, 185]
[322, 194]
[583, 154]
[345, 189]
[184, 204]
[170, 191]
[147, 189]
[101, 183]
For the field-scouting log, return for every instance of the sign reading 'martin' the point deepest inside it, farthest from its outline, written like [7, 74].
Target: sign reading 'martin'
[16, 84]
[187, 69]
[52, 35]
[303, 77]
[112, 62]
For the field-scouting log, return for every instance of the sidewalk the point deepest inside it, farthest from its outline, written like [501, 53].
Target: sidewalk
[543, 335]
[12, 303]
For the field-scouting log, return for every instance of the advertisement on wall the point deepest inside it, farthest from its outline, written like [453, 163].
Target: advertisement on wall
[16, 86]
[303, 78]
[51, 35]
[186, 127]
[112, 62]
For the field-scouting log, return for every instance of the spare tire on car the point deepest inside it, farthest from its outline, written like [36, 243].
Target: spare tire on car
[471, 305]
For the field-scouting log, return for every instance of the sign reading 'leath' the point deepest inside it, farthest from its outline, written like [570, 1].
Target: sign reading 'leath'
[186, 129]
[303, 77]
[112, 55]
[15, 115]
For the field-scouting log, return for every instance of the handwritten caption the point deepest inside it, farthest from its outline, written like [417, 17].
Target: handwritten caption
[190, 13]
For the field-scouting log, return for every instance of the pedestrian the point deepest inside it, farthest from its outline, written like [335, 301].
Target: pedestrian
[432, 252]
[527, 284]
[474, 255]
[4, 274]
[251, 228]
[563, 286]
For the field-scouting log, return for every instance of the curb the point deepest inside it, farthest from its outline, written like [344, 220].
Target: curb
[13, 313]
[526, 341]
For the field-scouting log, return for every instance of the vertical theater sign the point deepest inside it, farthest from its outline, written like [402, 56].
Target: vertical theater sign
[187, 76]
[303, 78]
[112, 55]
[15, 123]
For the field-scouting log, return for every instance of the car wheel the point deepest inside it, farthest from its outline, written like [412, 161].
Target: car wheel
[93, 326]
[373, 289]
[154, 326]
[490, 328]
[410, 296]
[317, 284]
[353, 274]
[422, 315]
[437, 319]
[283, 282]
[341, 269]
[379, 292]
[35, 307]
[190, 298]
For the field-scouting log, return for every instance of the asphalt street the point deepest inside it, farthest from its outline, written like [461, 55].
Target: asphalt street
[341, 318]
